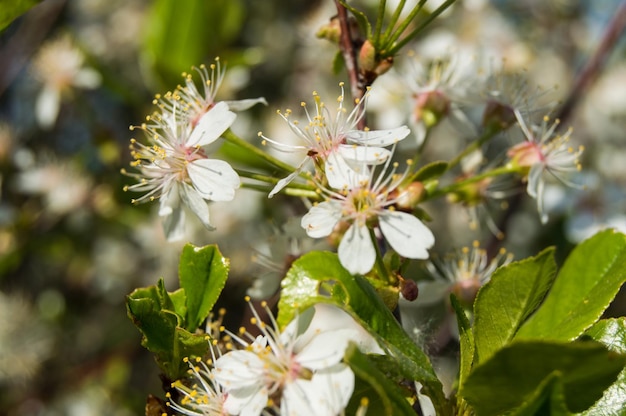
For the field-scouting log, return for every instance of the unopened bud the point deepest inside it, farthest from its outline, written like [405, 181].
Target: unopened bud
[330, 31]
[431, 107]
[384, 65]
[408, 197]
[367, 57]
[409, 289]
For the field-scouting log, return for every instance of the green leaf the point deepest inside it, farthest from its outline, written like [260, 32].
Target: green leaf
[203, 272]
[430, 171]
[509, 379]
[391, 401]
[547, 399]
[315, 270]
[508, 299]
[611, 333]
[12, 9]
[587, 283]
[466, 340]
[184, 33]
[152, 310]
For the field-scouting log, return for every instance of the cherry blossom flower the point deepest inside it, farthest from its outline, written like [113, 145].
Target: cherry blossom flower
[365, 204]
[174, 167]
[191, 102]
[297, 370]
[205, 396]
[335, 144]
[59, 66]
[542, 155]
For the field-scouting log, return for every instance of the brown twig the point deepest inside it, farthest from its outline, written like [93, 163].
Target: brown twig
[348, 50]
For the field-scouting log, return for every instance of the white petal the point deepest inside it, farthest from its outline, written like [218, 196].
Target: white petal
[335, 386]
[534, 180]
[356, 250]
[378, 137]
[341, 175]
[325, 349]
[174, 225]
[329, 318]
[419, 131]
[408, 236]
[239, 369]
[211, 125]
[364, 154]
[241, 105]
[285, 181]
[169, 201]
[214, 179]
[198, 206]
[321, 219]
[47, 106]
[428, 409]
[249, 401]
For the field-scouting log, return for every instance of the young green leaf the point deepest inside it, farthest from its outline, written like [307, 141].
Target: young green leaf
[430, 171]
[612, 333]
[508, 299]
[587, 283]
[12, 9]
[301, 289]
[390, 398]
[151, 309]
[466, 340]
[547, 399]
[509, 379]
[202, 272]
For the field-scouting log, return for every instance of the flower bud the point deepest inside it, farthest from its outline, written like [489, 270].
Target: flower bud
[525, 154]
[330, 31]
[466, 291]
[409, 289]
[367, 57]
[409, 196]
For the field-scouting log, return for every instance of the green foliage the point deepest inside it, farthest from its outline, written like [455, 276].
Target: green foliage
[431, 171]
[611, 333]
[168, 320]
[513, 293]
[466, 339]
[202, 272]
[301, 289]
[585, 286]
[390, 399]
[520, 373]
[12, 9]
[184, 33]
[528, 358]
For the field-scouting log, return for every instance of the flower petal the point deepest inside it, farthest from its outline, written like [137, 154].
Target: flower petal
[198, 206]
[364, 154]
[341, 175]
[378, 137]
[174, 225]
[408, 236]
[214, 179]
[321, 219]
[325, 349]
[285, 181]
[239, 369]
[356, 250]
[47, 106]
[241, 105]
[211, 125]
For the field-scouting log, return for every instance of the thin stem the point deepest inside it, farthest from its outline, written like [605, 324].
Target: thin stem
[394, 19]
[421, 27]
[346, 45]
[382, 4]
[476, 144]
[594, 65]
[405, 23]
[477, 178]
[236, 140]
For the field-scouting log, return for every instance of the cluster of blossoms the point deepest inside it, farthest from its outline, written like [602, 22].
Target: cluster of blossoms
[357, 195]
[298, 370]
[174, 166]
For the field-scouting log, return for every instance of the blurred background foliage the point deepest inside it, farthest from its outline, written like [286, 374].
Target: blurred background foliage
[71, 244]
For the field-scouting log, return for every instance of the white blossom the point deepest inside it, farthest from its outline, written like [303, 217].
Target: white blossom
[335, 144]
[175, 168]
[365, 204]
